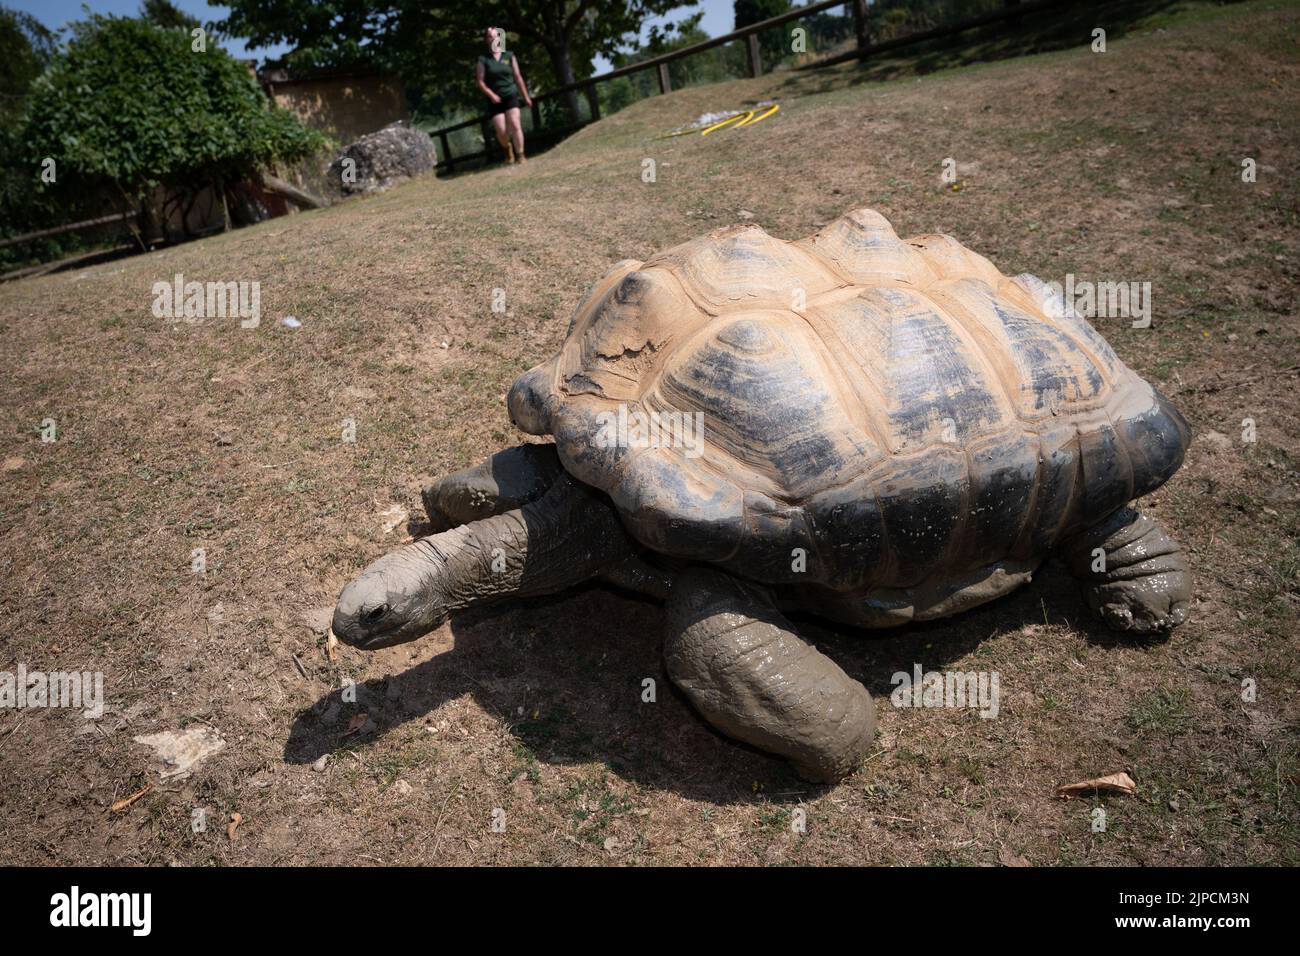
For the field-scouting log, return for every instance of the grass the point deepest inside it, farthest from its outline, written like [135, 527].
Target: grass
[174, 436]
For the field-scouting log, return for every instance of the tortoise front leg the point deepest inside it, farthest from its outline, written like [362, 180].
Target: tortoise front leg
[745, 669]
[507, 480]
[1134, 575]
[511, 479]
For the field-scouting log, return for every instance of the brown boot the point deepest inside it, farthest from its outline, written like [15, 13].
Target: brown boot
[510, 155]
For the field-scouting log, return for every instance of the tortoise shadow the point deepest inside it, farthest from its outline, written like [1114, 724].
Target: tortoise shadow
[578, 678]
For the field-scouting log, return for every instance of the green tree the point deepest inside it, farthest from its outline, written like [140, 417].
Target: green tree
[773, 43]
[432, 44]
[167, 15]
[26, 48]
[756, 11]
[711, 66]
[128, 106]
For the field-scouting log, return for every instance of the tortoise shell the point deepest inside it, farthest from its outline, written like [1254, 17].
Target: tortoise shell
[876, 412]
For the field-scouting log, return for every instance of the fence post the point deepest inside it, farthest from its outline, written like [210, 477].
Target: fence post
[665, 84]
[488, 139]
[860, 24]
[755, 55]
[446, 151]
[593, 102]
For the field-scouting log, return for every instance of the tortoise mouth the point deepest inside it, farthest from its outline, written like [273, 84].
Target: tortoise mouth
[375, 643]
[352, 633]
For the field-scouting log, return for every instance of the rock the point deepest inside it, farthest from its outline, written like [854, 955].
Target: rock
[321, 763]
[379, 160]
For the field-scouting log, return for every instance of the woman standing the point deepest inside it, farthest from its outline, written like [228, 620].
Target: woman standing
[499, 78]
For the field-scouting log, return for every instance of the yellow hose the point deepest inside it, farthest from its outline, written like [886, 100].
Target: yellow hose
[726, 122]
[746, 118]
[758, 119]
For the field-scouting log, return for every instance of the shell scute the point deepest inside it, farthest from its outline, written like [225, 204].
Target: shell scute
[863, 248]
[928, 385]
[1045, 368]
[744, 267]
[1003, 476]
[766, 404]
[922, 501]
[615, 343]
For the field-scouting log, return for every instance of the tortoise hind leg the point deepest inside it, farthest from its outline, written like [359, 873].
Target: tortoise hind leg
[750, 675]
[1135, 576]
[507, 480]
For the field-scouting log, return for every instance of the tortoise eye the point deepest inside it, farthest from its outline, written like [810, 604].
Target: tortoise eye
[376, 613]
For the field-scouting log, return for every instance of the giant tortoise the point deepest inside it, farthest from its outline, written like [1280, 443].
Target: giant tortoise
[856, 426]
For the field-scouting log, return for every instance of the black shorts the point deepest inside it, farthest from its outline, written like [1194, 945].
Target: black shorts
[507, 103]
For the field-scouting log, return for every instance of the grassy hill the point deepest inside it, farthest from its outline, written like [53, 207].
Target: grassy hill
[174, 436]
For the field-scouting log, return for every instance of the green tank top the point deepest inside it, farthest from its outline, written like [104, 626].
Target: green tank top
[499, 75]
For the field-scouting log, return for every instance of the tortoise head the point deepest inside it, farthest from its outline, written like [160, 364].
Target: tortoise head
[396, 599]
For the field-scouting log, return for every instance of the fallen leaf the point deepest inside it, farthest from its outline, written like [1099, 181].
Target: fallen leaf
[235, 821]
[1120, 783]
[120, 805]
[356, 723]
[331, 646]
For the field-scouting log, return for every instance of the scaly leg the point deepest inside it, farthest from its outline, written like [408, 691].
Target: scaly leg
[566, 537]
[745, 669]
[509, 479]
[1135, 576]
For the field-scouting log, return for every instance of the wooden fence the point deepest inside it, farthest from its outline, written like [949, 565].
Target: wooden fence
[863, 48]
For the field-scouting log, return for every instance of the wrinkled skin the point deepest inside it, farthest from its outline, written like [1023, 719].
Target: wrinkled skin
[564, 538]
[727, 644]
[1141, 582]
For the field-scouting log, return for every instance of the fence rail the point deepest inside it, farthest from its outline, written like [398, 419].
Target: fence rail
[70, 227]
[863, 47]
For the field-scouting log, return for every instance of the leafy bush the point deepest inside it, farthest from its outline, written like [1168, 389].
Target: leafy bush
[128, 106]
